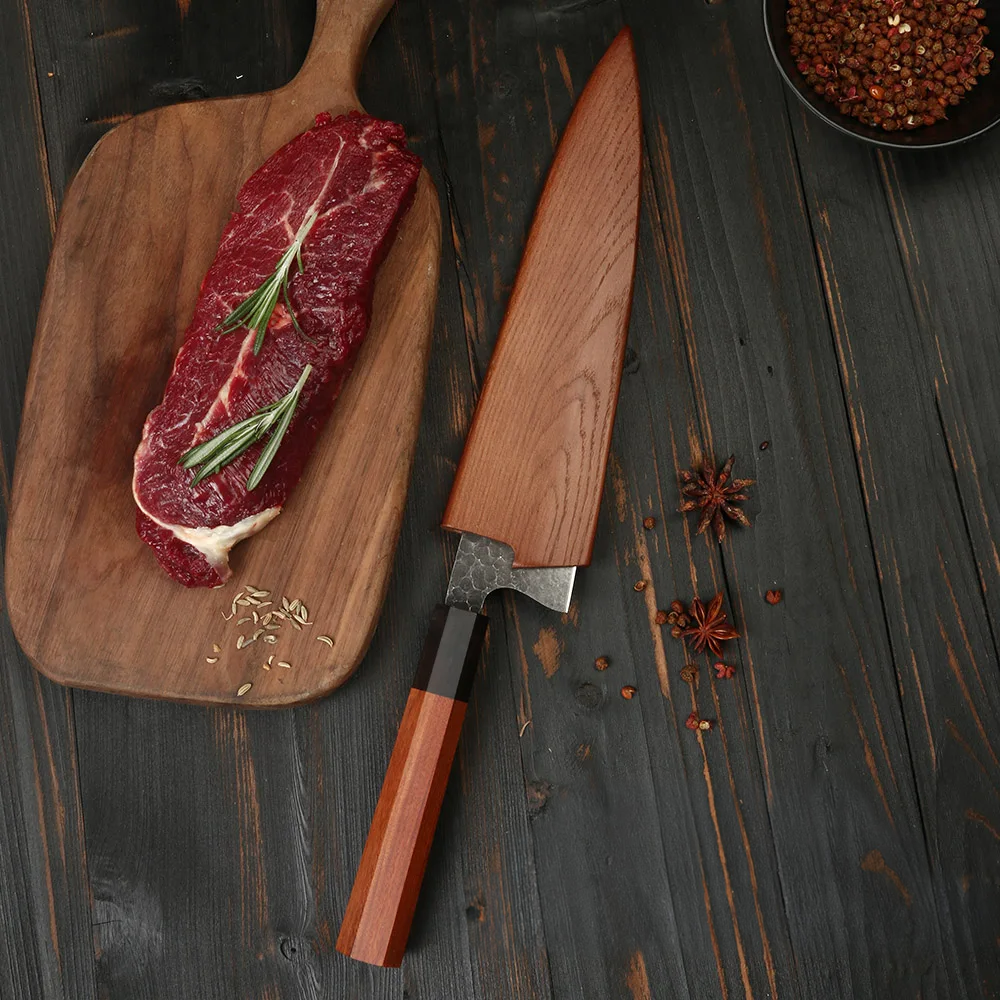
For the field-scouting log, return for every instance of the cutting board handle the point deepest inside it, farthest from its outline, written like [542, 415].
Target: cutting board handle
[343, 31]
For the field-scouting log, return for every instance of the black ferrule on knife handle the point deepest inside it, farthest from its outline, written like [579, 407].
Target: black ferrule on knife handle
[451, 652]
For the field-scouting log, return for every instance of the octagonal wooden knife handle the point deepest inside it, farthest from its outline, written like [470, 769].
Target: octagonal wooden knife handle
[379, 913]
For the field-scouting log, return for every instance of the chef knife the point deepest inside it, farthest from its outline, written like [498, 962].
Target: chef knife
[528, 489]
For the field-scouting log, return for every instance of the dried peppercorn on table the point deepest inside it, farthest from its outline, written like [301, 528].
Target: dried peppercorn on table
[836, 832]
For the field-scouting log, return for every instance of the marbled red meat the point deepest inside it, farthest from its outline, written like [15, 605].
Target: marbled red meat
[357, 174]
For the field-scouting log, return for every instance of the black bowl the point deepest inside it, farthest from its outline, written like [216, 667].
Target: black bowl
[979, 111]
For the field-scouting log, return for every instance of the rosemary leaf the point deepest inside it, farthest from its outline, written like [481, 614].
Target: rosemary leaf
[272, 446]
[229, 444]
[255, 311]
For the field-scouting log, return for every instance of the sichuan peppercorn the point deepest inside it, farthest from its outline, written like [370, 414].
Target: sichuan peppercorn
[892, 64]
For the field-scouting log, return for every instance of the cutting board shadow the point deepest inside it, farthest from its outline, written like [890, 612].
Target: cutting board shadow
[137, 231]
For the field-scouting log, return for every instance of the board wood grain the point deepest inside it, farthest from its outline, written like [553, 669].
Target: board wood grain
[532, 471]
[138, 228]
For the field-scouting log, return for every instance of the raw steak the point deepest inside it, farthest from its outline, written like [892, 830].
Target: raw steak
[357, 174]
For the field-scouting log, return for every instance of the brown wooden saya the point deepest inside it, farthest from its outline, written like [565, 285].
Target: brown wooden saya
[532, 471]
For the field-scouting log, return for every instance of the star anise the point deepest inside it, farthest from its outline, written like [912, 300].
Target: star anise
[708, 626]
[714, 495]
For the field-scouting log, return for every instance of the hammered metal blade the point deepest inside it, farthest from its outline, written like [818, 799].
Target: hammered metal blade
[483, 565]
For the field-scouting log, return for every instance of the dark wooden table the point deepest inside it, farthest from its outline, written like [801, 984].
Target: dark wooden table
[837, 835]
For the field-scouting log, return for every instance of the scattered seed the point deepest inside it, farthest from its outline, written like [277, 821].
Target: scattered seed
[689, 673]
[601, 663]
[243, 602]
[256, 618]
[266, 618]
[527, 722]
[773, 597]
[270, 659]
[661, 617]
[296, 625]
[282, 663]
[243, 621]
[294, 606]
[284, 603]
[265, 666]
[628, 691]
[240, 641]
[253, 601]
[216, 648]
[257, 635]
[326, 639]
[764, 445]
[264, 604]
[304, 611]
[692, 721]
[649, 523]
[639, 586]
[211, 659]
[226, 617]
[272, 627]
[723, 671]
[270, 638]
[243, 689]
[705, 724]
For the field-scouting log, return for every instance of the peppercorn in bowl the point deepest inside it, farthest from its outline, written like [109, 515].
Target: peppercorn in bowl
[906, 74]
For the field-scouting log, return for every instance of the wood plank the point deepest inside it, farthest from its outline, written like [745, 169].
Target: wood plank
[797, 833]
[906, 401]
[478, 916]
[164, 52]
[604, 894]
[45, 950]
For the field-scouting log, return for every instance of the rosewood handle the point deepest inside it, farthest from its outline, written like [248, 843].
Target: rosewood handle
[379, 913]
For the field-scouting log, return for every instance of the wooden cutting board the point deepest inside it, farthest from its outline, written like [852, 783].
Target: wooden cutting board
[138, 229]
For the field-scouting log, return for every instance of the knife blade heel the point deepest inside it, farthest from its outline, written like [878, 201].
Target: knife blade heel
[380, 911]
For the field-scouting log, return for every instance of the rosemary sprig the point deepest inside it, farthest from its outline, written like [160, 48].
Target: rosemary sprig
[229, 444]
[254, 312]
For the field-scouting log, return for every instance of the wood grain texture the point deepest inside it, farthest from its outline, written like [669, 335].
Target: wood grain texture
[533, 466]
[379, 913]
[836, 833]
[137, 230]
[46, 948]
